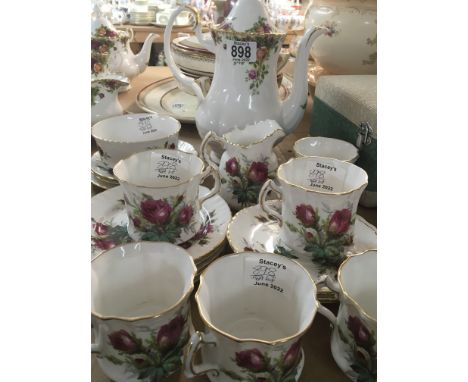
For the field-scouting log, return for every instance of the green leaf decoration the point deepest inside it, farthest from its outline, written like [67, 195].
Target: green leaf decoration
[233, 375]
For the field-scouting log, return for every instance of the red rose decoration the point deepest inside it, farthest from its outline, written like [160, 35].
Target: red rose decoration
[306, 214]
[292, 355]
[340, 221]
[155, 211]
[123, 341]
[100, 229]
[251, 359]
[258, 172]
[261, 53]
[169, 334]
[185, 214]
[360, 333]
[232, 166]
[104, 244]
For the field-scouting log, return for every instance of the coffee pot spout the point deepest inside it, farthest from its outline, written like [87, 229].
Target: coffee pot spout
[293, 107]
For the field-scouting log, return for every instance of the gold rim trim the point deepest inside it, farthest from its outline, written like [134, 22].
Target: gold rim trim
[157, 151]
[281, 167]
[217, 29]
[299, 155]
[239, 340]
[255, 142]
[179, 302]
[345, 293]
[125, 116]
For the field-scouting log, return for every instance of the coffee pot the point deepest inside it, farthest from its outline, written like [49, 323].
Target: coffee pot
[244, 88]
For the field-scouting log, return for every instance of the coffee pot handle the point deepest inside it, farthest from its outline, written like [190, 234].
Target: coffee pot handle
[268, 186]
[197, 340]
[185, 83]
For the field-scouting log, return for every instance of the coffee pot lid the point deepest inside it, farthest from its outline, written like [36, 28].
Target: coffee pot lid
[248, 16]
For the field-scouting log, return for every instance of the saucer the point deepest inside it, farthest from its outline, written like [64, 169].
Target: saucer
[103, 183]
[252, 229]
[108, 208]
[165, 98]
[105, 174]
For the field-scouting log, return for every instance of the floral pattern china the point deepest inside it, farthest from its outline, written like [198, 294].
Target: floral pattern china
[109, 223]
[253, 230]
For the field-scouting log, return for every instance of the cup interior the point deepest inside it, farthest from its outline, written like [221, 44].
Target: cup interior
[252, 134]
[358, 277]
[326, 147]
[140, 279]
[133, 128]
[158, 168]
[325, 175]
[257, 296]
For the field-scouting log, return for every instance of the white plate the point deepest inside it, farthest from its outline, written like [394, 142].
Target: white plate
[252, 229]
[164, 97]
[101, 170]
[108, 208]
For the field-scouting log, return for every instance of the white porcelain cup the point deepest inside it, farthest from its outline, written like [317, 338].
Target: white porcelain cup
[319, 197]
[140, 310]
[256, 307]
[354, 337]
[119, 137]
[161, 194]
[326, 147]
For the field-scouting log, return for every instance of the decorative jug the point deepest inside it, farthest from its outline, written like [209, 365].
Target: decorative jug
[110, 48]
[244, 88]
[247, 162]
[104, 97]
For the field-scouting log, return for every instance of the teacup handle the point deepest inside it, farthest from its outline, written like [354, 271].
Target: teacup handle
[332, 285]
[214, 173]
[197, 340]
[96, 347]
[270, 185]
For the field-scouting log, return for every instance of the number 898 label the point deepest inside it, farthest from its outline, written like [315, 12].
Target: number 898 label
[243, 51]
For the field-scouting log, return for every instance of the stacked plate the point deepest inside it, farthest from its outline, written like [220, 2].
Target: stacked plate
[142, 18]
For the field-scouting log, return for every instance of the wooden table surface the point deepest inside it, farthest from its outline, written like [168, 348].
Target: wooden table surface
[319, 364]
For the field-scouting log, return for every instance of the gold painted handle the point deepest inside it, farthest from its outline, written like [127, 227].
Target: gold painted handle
[269, 185]
[197, 340]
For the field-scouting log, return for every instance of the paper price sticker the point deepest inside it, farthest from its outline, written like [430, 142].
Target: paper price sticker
[268, 274]
[243, 51]
[145, 126]
[165, 166]
[326, 178]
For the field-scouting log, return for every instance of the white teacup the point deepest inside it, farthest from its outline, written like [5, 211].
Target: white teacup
[319, 197]
[354, 337]
[256, 307]
[327, 148]
[119, 137]
[161, 194]
[140, 309]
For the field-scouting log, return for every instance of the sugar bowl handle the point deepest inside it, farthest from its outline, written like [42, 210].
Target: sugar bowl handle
[269, 185]
[197, 340]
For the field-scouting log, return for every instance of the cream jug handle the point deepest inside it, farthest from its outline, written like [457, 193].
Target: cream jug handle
[185, 83]
[211, 136]
[269, 185]
[197, 340]
[214, 173]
